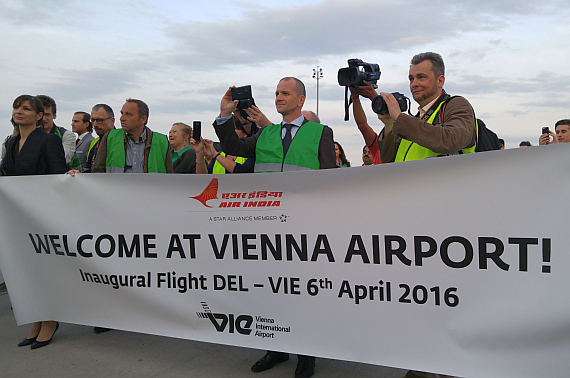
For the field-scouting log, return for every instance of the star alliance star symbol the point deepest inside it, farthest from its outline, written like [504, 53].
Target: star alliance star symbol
[283, 218]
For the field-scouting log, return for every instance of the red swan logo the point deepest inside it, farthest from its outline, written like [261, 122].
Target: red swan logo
[211, 192]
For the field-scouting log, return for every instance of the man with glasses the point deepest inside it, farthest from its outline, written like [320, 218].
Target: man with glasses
[103, 119]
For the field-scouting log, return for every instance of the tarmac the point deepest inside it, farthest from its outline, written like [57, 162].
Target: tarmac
[76, 351]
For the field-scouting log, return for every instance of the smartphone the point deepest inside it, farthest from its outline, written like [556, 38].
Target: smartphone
[545, 130]
[197, 130]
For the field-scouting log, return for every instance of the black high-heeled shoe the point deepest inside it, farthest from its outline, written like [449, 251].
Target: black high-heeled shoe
[27, 342]
[39, 344]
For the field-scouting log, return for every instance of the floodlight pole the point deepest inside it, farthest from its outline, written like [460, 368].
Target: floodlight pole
[317, 74]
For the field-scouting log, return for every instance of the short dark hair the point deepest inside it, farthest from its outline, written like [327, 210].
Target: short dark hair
[525, 143]
[86, 118]
[48, 102]
[501, 142]
[299, 86]
[562, 122]
[107, 109]
[143, 108]
[437, 65]
[35, 103]
[239, 125]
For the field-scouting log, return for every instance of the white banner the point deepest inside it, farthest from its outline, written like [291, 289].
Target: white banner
[452, 265]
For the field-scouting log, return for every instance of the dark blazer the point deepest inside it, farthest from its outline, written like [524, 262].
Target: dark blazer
[245, 147]
[41, 154]
[186, 163]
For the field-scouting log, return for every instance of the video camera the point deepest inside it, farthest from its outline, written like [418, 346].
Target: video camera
[357, 72]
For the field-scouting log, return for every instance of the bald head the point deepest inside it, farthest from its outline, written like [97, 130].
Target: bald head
[299, 86]
[311, 116]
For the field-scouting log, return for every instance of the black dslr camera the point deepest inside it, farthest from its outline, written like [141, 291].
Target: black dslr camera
[243, 94]
[357, 72]
[379, 106]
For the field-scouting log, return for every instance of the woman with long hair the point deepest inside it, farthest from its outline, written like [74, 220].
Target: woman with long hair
[33, 152]
[341, 161]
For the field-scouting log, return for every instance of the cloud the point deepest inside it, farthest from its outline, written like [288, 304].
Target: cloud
[409, 41]
[327, 28]
[34, 12]
[308, 61]
[545, 83]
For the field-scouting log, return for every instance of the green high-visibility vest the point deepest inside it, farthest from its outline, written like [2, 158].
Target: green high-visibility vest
[93, 143]
[409, 150]
[74, 163]
[116, 152]
[303, 152]
[219, 168]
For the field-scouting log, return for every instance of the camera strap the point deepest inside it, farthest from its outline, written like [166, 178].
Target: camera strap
[442, 98]
[347, 102]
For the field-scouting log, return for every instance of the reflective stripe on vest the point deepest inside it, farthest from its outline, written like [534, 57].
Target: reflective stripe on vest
[219, 168]
[93, 143]
[303, 152]
[409, 150]
[116, 152]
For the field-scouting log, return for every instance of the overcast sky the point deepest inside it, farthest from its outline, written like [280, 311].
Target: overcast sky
[508, 58]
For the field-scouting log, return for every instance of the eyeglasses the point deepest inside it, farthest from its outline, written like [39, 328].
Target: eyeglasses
[99, 120]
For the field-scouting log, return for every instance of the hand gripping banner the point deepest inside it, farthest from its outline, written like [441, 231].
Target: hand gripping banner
[455, 265]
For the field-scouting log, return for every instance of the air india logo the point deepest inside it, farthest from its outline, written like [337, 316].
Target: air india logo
[211, 192]
[259, 198]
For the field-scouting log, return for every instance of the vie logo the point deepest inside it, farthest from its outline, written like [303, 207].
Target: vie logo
[241, 324]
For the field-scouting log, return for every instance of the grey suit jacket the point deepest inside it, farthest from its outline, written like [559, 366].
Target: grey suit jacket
[82, 148]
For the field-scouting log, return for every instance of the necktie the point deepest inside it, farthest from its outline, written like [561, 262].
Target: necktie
[287, 138]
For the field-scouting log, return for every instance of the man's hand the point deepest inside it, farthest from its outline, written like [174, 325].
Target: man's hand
[227, 106]
[73, 172]
[386, 119]
[393, 106]
[545, 138]
[257, 116]
[365, 90]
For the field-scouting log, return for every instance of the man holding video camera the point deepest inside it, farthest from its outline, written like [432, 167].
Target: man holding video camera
[444, 125]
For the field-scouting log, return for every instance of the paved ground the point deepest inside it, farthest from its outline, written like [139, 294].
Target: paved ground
[77, 352]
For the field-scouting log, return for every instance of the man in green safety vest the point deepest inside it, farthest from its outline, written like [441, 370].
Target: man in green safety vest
[444, 125]
[134, 148]
[294, 144]
[103, 119]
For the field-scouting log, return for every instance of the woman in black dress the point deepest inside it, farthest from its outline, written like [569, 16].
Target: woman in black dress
[33, 152]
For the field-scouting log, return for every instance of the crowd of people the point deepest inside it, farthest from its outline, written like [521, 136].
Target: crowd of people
[248, 142]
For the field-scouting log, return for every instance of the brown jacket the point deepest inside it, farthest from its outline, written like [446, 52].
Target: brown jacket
[100, 160]
[448, 136]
